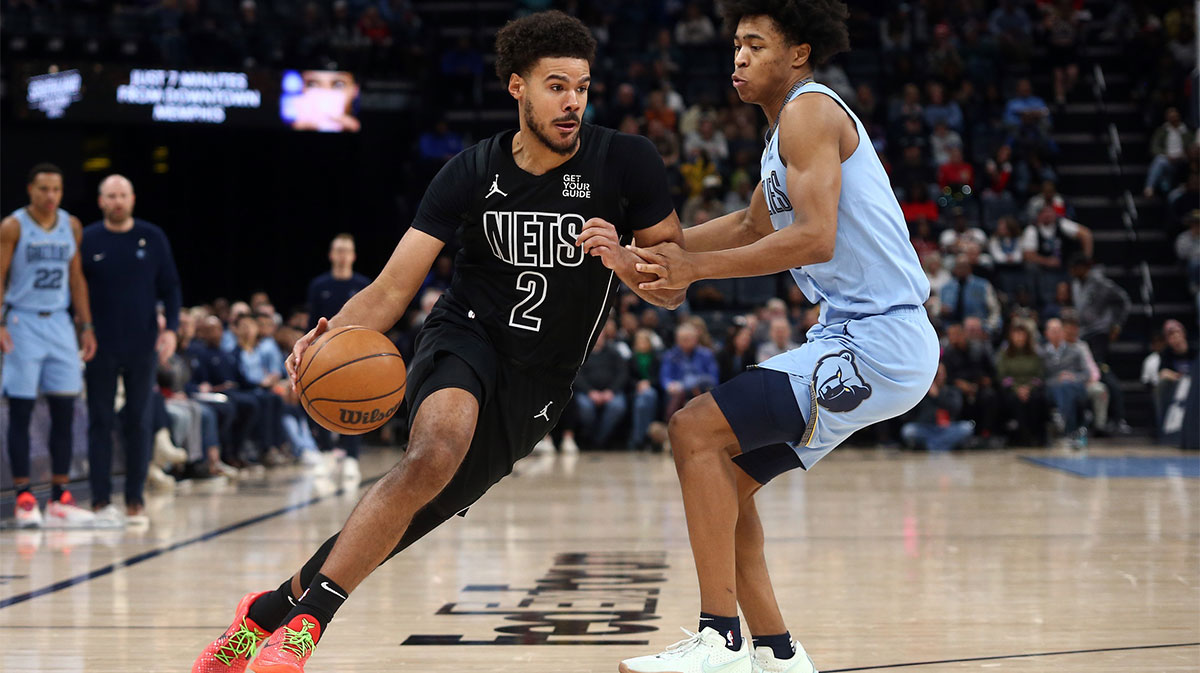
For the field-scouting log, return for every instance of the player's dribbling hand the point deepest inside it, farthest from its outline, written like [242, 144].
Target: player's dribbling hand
[302, 344]
[6, 342]
[671, 263]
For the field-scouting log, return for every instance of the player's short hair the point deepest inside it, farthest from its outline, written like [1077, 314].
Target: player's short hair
[43, 167]
[343, 237]
[821, 24]
[521, 43]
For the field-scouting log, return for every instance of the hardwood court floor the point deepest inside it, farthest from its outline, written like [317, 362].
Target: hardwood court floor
[882, 560]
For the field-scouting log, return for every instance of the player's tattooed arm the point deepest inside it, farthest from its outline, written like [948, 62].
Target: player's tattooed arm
[79, 295]
[810, 132]
[732, 230]
[10, 231]
[599, 238]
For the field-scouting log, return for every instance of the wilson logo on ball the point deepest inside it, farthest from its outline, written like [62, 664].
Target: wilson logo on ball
[357, 417]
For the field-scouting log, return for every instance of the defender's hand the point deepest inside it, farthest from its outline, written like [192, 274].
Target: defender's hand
[673, 265]
[302, 344]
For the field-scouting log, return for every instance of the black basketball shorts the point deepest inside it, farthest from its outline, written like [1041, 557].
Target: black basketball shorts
[517, 406]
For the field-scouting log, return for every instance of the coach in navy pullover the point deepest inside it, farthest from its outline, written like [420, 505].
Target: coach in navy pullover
[129, 269]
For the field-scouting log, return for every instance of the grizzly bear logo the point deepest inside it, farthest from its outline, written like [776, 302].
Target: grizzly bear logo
[837, 384]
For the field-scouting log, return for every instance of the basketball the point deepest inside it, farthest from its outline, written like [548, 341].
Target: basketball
[351, 380]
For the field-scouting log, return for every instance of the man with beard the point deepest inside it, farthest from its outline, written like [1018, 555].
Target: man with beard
[543, 215]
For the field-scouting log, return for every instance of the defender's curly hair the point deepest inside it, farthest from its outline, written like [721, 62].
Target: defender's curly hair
[521, 42]
[821, 24]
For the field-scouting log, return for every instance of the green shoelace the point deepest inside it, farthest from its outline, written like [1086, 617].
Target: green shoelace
[240, 644]
[301, 642]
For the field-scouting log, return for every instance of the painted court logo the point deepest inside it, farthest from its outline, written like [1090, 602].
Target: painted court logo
[837, 385]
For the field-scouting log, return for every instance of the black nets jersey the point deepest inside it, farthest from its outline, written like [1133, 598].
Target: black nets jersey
[540, 299]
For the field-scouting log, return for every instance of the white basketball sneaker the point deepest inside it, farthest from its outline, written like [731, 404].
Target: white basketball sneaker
[64, 513]
[703, 652]
[765, 661]
[28, 515]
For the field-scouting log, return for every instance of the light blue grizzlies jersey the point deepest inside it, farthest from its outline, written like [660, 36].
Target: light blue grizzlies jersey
[38, 279]
[874, 266]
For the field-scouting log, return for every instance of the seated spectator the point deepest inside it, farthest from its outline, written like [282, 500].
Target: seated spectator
[934, 423]
[912, 169]
[1174, 364]
[1060, 33]
[600, 395]
[908, 106]
[440, 145]
[215, 370]
[1066, 378]
[779, 340]
[942, 141]
[941, 111]
[259, 378]
[1049, 196]
[738, 354]
[688, 369]
[917, 203]
[1008, 259]
[956, 175]
[938, 277]
[961, 236]
[970, 369]
[1020, 372]
[999, 170]
[696, 28]
[1102, 305]
[658, 111]
[913, 135]
[707, 139]
[1026, 105]
[644, 373]
[1168, 146]
[1011, 27]
[1103, 388]
[923, 240]
[1045, 244]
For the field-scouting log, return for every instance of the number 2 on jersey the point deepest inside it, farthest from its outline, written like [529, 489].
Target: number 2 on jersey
[535, 284]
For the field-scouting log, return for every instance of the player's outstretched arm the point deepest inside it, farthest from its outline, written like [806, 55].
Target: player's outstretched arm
[732, 230]
[809, 144]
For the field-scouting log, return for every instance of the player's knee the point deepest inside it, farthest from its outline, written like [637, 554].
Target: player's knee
[690, 428]
[433, 461]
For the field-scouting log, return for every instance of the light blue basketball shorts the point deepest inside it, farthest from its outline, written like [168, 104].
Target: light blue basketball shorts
[854, 373]
[45, 355]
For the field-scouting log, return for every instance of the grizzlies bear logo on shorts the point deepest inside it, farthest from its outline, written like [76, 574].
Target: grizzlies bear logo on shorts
[837, 384]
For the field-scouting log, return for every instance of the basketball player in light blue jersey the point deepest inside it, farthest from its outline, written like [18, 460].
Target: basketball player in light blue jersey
[40, 276]
[825, 212]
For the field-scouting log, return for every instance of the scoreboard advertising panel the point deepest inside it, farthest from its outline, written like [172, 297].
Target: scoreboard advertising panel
[303, 100]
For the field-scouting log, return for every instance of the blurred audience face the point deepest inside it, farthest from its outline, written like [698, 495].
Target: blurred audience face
[187, 326]
[962, 267]
[1024, 88]
[974, 329]
[341, 254]
[266, 325]
[210, 331]
[939, 379]
[246, 329]
[629, 322]
[259, 299]
[1071, 331]
[238, 309]
[1176, 335]
[956, 336]
[743, 338]
[299, 321]
[286, 338]
[1054, 332]
[1047, 216]
[1018, 337]
[781, 332]
[687, 337]
[116, 199]
[643, 341]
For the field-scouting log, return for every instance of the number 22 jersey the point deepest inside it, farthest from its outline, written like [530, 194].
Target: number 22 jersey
[539, 297]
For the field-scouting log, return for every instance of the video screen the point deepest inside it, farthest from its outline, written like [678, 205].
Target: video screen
[319, 100]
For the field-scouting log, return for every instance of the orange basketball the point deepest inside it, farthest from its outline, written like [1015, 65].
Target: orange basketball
[351, 380]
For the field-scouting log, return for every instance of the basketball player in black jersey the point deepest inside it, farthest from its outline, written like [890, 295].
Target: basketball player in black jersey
[543, 214]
